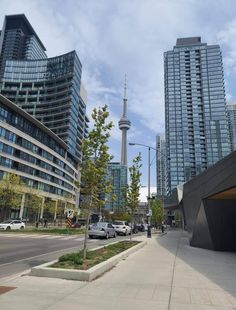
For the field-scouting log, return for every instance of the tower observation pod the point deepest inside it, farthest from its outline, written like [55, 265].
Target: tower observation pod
[124, 125]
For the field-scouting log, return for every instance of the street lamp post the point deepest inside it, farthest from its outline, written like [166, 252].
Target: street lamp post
[149, 234]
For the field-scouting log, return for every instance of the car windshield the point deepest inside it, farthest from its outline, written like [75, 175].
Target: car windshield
[100, 224]
[118, 223]
[6, 222]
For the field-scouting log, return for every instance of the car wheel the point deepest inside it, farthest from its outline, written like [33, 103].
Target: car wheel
[22, 227]
[8, 228]
[107, 236]
[114, 235]
[90, 237]
[126, 233]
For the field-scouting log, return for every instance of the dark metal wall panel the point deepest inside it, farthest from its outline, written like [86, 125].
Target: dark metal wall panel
[201, 235]
[221, 216]
[218, 178]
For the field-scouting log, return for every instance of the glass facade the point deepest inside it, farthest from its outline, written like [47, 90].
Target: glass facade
[197, 132]
[47, 88]
[18, 40]
[231, 113]
[30, 150]
[161, 164]
[117, 175]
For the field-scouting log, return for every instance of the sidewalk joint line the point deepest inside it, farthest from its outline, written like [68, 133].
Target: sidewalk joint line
[173, 272]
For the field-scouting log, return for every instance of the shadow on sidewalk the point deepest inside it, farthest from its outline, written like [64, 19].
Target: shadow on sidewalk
[218, 267]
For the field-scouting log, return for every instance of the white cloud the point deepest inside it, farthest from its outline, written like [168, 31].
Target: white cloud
[226, 38]
[117, 37]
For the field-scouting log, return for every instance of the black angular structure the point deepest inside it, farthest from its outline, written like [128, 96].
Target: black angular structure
[209, 206]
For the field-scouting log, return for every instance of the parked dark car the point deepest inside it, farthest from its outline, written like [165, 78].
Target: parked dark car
[76, 225]
[141, 227]
[135, 229]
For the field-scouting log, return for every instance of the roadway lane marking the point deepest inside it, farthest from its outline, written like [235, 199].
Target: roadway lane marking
[32, 257]
[67, 238]
[33, 236]
[12, 235]
[54, 237]
[78, 239]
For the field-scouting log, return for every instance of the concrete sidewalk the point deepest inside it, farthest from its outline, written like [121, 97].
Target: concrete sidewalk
[165, 274]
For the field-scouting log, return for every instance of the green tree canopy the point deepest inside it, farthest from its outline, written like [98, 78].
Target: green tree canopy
[157, 211]
[11, 188]
[94, 183]
[133, 189]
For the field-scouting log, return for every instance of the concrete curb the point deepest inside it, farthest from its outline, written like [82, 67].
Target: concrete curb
[83, 275]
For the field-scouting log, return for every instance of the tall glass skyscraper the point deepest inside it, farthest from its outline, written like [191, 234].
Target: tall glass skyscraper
[47, 88]
[231, 113]
[197, 132]
[117, 175]
[18, 40]
[161, 163]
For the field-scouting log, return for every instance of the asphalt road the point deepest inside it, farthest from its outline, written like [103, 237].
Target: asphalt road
[20, 252]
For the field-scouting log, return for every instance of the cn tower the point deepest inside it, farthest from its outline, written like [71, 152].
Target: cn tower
[124, 125]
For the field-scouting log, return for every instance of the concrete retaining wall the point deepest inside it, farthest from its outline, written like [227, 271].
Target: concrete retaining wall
[83, 275]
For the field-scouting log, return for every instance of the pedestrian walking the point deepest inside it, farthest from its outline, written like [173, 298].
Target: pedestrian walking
[162, 227]
[45, 223]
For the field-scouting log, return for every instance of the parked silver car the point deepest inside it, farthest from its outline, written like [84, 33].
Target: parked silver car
[101, 229]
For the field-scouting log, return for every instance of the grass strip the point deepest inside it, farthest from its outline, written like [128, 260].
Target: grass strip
[58, 231]
[94, 257]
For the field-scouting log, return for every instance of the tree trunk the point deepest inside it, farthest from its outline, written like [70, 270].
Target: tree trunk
[132, 225]
[86, 234]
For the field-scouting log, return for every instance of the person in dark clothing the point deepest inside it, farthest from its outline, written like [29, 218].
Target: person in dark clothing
[45, 223]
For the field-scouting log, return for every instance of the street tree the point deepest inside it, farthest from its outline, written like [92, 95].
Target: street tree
[94, 185]
[157, 211]
[33, 202]
[133, 189]
[11, 189]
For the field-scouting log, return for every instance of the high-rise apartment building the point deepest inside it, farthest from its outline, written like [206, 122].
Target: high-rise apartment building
[197, 132]
[117, 176]
[18, 40]
[161, 163]
[47, 88]
[231, 113]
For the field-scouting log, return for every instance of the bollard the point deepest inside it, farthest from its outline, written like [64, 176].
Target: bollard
[149, 233]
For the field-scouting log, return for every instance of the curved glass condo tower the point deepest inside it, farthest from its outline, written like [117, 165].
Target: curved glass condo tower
[47, 88]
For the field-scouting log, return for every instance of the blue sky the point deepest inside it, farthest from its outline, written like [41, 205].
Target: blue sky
[114, 37]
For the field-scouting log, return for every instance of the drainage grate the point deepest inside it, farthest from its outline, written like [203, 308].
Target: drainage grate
[5, 289]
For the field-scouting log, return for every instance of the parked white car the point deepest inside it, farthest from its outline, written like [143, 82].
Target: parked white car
[122, 228]
[12, 224]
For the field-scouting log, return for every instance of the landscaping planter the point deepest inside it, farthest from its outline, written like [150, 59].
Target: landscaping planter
[83, 275]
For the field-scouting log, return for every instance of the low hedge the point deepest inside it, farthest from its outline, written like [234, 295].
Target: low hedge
[94, 257]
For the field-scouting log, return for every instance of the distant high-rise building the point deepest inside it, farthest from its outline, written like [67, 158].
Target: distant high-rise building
[47, 88]
[18, 40]
[124, 126]
[197, 132]
[117, 175]
[161, 163]
[231, 113]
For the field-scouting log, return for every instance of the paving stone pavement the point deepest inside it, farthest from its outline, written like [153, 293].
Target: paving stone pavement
[166, 274]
